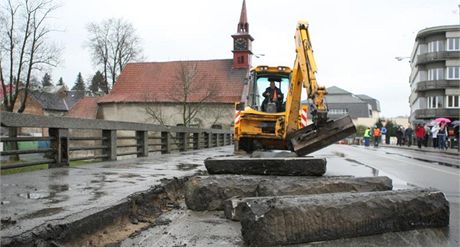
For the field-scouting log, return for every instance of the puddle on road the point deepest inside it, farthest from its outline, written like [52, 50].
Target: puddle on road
[59, 187]
[339, 154]
[59, 173]
[42, 213]
[424, 160]
[129, 175]
[186, 166]
[109, 173]
[97, 194]
[375, 172]
[35, 195]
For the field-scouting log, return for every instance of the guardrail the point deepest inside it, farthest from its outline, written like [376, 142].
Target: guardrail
[105, 140]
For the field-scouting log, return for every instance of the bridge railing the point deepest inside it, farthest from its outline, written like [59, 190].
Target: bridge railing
[71, 139]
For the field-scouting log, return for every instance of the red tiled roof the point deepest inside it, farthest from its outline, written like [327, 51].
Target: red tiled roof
[159, 82]
[84, 108]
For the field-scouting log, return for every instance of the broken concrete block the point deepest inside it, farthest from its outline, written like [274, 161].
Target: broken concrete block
[281, 186]
[210, 192]
[298, 166]
[298, 186]
[293, 220]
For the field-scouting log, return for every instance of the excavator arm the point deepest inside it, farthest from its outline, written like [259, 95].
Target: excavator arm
[304, 75]
[322, 132]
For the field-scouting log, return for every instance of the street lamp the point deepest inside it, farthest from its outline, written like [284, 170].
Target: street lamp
[402, 58]
[258, 55]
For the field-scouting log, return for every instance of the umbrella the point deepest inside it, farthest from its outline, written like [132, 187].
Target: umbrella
[455, 123]
[442, 119]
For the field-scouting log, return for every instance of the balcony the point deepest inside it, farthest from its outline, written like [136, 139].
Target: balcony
[436, 56]
[437, 112]
[437, 84]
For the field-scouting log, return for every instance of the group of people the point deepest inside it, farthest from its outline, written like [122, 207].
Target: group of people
[437, 132]
[376, 134]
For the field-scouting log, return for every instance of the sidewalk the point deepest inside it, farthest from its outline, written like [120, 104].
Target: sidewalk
[449, 151]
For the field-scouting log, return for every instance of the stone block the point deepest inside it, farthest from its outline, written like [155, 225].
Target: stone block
[281, 186]
[210, 192]
[293, 220]
[298, 166]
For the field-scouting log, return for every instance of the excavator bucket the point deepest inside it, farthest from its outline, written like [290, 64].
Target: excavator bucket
[311, 138]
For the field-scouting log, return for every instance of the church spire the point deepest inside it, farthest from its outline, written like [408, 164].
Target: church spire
[243, 26]
[242, 42]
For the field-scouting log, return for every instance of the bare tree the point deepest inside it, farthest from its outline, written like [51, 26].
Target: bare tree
[24, 48]
[154, 111]
[191, 93]
[113, 43]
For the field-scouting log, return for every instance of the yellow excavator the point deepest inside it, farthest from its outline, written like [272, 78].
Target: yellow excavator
[271, 125]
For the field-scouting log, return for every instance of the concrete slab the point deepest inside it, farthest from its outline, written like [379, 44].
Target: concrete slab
[303, 219]
[299, 166]
[210, 192]
[298, 186]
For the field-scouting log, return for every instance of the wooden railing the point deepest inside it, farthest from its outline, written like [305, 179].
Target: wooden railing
[101, 139]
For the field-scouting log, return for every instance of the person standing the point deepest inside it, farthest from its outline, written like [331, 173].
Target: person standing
[383, 131]
[399, 136]
[367, 136]
[420, 135]
[442, 134]
[434, 134]
[377, 135]
[408, 133]
[427, 135]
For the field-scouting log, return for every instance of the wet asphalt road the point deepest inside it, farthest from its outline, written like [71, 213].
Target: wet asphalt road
[65, 194]
[407, 169]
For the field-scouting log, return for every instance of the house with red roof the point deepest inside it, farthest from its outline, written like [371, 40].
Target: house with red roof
[86, 107]
[201, 91]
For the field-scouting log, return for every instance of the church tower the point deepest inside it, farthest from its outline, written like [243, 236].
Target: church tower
[242, 42]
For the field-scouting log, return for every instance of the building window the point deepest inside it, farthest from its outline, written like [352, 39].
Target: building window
[452, 101]
[436, 74]
[240, 59]
[338, 111]
[453, 44]
[434, 46]
[434, 102]
[453, 73]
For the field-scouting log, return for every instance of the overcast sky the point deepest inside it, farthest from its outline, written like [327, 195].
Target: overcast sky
[355, 41]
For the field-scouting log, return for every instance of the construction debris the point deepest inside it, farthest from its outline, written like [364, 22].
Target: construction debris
[301, 219]
[298, 186]
[210, 192]
[296, 166]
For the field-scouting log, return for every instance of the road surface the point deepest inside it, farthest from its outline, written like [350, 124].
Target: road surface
[407, 168]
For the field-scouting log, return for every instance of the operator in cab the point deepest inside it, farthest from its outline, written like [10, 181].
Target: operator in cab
[272, 95]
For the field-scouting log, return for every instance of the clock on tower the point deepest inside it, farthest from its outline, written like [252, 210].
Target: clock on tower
[242, 42]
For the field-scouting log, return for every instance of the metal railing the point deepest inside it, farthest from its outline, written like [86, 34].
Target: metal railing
[72, 139]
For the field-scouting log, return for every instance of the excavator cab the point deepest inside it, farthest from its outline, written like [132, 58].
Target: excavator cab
[261, 77]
